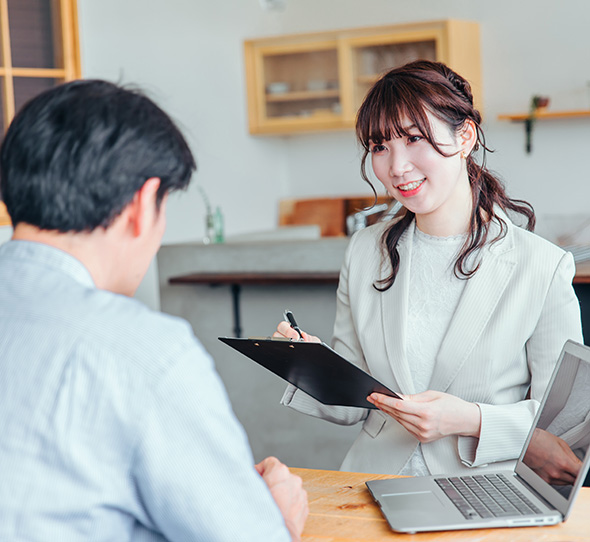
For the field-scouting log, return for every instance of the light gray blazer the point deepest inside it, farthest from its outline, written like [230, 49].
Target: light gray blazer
[512, 320]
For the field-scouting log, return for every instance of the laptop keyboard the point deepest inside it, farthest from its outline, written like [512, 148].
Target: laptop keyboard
[486, 496]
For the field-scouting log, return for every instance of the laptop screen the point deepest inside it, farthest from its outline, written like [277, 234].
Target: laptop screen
[561, 438]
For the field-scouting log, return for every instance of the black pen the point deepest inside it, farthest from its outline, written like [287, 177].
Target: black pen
[291, 319]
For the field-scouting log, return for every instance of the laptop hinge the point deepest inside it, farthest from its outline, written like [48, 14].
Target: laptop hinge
[534, 492]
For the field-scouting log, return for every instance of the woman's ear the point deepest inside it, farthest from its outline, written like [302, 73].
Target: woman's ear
[467, 137]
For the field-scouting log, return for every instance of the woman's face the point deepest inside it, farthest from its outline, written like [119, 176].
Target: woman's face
[434, 187]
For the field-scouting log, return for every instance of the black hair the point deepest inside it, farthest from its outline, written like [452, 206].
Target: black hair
[75, 155]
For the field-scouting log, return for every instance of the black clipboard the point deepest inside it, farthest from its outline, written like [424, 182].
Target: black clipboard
[314, 368]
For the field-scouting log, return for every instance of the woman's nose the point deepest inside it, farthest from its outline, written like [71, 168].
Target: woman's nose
[399, 163]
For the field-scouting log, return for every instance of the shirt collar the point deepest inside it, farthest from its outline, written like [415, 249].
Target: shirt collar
[49, 256]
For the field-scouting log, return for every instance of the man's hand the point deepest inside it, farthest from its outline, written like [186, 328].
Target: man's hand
[552, 459]
[287, 491]
[431, 415]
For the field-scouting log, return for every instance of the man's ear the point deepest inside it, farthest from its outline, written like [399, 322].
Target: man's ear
[468, 137]
[143, 206]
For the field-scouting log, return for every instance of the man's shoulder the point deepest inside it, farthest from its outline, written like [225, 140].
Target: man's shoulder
[129, 334]
[125, 328]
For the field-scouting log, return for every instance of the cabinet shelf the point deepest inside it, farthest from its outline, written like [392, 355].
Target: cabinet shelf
[303, 95]
[521, 117]
[308, 117]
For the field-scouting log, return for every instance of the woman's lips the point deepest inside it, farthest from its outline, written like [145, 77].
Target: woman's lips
[411, 188]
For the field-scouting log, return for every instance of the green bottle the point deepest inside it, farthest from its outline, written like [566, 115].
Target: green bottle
[218, 226]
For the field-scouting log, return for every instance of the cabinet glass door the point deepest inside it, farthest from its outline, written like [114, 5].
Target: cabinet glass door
[370, 62]
[301, 84]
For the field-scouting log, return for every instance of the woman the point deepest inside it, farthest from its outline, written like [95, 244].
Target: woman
[450, 303]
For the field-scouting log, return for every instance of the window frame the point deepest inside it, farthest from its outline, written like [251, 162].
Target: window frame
[67, 30]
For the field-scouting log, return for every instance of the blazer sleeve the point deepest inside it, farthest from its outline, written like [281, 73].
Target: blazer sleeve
[346, 343]
[504, 428]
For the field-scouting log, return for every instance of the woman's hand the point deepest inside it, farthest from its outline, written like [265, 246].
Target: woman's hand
[431, 415]
[285, 330]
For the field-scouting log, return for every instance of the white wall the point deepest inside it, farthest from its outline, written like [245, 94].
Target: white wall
[188, 55]
[5, 233]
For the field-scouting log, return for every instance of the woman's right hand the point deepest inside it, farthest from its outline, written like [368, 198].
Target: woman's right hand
[284, 330]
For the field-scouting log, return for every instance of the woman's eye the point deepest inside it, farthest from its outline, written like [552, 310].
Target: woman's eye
[377, 148]
[414, 138]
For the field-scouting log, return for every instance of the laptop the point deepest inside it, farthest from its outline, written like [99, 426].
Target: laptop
[535, 493]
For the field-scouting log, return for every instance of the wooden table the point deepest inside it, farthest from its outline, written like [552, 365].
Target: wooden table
[342, 510]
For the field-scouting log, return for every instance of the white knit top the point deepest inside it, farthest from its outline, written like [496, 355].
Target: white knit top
[433, 296]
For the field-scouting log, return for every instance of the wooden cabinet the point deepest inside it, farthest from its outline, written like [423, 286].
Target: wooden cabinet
[315, 82]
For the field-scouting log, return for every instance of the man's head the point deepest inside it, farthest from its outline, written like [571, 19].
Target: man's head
[86, 167]
[75, 156]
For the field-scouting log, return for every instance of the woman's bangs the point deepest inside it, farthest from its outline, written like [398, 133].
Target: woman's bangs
[388, 123]
[388, 112]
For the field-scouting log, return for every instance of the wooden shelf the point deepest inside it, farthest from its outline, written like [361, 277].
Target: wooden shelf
[303, 95]
[520, 117]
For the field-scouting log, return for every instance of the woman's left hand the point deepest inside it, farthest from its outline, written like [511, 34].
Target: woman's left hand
[431, 415]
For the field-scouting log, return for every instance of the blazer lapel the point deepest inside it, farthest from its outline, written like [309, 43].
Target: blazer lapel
[479, 299]
[394, 310]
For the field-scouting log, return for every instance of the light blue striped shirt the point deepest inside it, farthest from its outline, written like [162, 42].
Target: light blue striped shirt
[114, 425]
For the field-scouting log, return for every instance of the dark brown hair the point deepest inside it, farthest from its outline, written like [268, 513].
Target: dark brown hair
[409, 92]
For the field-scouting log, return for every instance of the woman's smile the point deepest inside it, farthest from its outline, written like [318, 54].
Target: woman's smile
[411, 188]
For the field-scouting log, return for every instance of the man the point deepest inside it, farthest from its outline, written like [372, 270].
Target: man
[114, 424]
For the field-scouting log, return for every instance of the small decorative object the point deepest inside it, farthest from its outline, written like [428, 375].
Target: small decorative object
[317, 84]
[209, 236]
[538, 103]
[278, 87]
[218, 226]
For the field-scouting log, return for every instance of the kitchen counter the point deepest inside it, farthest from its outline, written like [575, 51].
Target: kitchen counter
[310, 255]
[317, 259]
